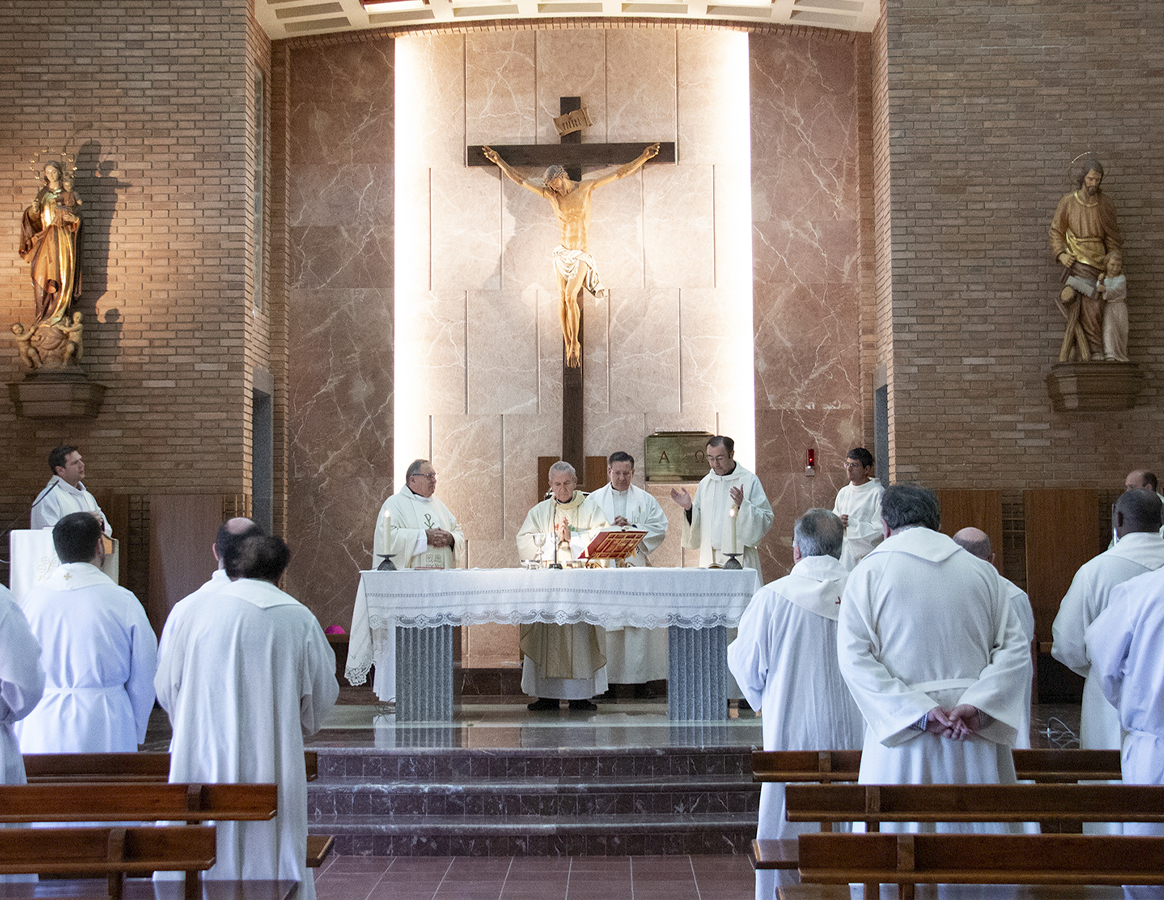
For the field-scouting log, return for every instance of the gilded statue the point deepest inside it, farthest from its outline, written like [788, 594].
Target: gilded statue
[1086, 242]
[573, 264]
[50, 230]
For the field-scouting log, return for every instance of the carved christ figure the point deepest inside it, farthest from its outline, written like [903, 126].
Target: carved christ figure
[573, 264]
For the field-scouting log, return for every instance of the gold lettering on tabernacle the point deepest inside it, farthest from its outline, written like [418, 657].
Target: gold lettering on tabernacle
[664, 457]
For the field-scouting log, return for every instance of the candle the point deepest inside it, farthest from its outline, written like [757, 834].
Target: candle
[732, 512]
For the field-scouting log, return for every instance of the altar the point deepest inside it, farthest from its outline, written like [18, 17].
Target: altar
[403, 621]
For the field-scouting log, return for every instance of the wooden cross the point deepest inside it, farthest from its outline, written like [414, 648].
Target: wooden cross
[572, 154]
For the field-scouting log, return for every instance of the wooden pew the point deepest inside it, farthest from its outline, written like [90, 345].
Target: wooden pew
[121, 768]
[58, 767]
[113, 852]
[1042, 766]
[136, 802]
[910, 859]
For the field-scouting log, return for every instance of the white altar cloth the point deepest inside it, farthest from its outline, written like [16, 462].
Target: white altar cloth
[642, 597]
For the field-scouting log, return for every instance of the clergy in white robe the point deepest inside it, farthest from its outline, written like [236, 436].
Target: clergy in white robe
[858, 504]
[417, 528]
[230, 533]
[65, 492]
[21, 686]
[1123, 644]
[708, 524]
[633, 655]
[244, 673]
[785, 661]
[21, 683]
[1140, 549]
[976, 542]
[562, 662]
[419, 532]
[98, 651]
[933, 654]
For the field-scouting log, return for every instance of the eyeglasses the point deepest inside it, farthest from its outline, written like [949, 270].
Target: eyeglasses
[852, 465]
[430, 475]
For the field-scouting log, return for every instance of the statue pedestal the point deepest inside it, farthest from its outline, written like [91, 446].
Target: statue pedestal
[56, 394]
[1094, 386]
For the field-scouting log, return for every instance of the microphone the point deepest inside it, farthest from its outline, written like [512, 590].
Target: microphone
[48, 489]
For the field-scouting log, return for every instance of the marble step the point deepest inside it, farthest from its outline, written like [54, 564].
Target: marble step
[629, 795]
[584, 835]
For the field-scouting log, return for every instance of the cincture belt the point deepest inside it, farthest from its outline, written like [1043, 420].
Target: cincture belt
[948, 684]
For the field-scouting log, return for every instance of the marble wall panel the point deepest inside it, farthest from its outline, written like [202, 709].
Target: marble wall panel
[640, 85]
[571, 64]
[499, 87]
[430, 99]
[618, 431]
[679, 227]
[616, 231]
[550, 359]
[357, 195]
[336, 257]
[466, 452]
[712, 67]
[501, 352]
[466, 231]
[789, 249]
[413, 252]
[341, 372]
[529, 234]
[491, 645]
[644, 351]
[670, 552]
[431, 361]
[734, 269]
[712, 344]
[525, 438]
[596, 355]
[805, 336]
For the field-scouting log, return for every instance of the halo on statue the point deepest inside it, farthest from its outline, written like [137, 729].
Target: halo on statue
[1073, 167]
[66, 160]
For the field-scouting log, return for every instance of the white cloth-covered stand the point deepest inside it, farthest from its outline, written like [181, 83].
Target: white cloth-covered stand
[646, 598]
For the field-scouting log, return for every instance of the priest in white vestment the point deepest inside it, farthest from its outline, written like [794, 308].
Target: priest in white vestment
[21, 686]
[633, 655]
[98, 651]
[858, 504]
[934, 655]
[562, 662]
[1123, 644]
[244, 673]
[785, 661]
[976, 542]
[1139, 549]
[708, 524]
[65, 493]
[419, 532]
[230, 533]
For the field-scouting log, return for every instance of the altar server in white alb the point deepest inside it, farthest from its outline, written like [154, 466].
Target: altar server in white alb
[21, 683]
[858, 504]
[1139, 549]
[976, 542]
[633, 655]
[806, 705]
[417, 528]
[1124, 644]
[562, 662]
[65, 493]
[708, 524]
[98, 651]
[244, 673]
[934, 655]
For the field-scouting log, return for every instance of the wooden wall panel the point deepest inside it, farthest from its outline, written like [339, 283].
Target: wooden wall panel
[974, 509]
[1061, 536]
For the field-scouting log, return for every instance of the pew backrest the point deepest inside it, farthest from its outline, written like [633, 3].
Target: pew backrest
[57, 767]
[136, 802]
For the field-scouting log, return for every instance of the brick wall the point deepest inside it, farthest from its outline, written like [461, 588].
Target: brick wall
[154, 101]
[985, 104]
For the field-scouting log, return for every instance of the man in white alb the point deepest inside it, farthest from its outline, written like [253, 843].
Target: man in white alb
[1139, 549]
[805, 707]
[98, 650]
[708, 524]
[1137, 480]
[976, 542]
[633, 655]
[21, 683]
[230, 533]
[933, 654]
[65, 493]
[859, 506]
[417, 528]
[244, 673]
[562, 662]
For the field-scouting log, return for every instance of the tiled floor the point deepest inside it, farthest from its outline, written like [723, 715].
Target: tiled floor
[536, 878]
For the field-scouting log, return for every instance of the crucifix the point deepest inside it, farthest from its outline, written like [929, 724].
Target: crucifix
[570, 196]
